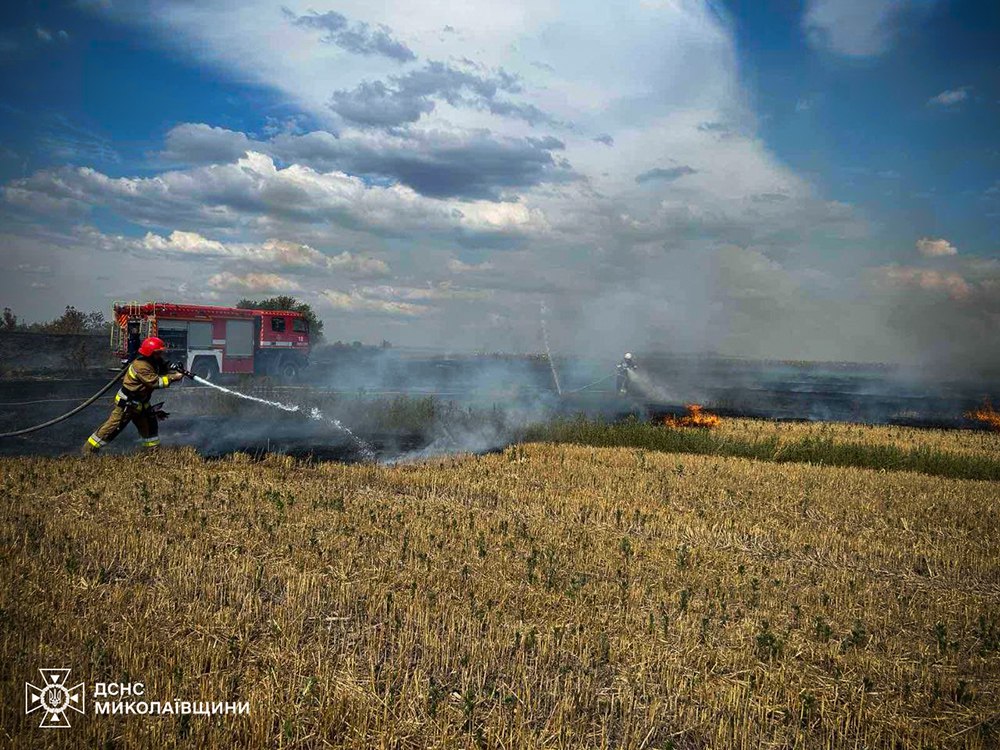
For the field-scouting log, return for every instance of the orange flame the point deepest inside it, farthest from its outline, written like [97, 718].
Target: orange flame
[986, 413]
[696, 417]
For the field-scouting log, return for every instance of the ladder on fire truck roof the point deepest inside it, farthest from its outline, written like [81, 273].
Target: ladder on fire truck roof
[130, 310]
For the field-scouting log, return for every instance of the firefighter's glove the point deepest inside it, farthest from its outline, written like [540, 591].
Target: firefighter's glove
[175, 376]
[159, 413]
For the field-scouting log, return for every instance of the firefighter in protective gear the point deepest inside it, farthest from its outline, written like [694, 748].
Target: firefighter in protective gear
[147, 372]
[622, 372]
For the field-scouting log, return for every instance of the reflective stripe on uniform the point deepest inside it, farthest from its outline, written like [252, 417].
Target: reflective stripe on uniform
[95, 441]
[164, 381]
[125, 400]
[149, 442]
[132, 372]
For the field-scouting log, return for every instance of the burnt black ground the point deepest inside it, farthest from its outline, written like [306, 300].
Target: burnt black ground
[776, 391]
[30, 402]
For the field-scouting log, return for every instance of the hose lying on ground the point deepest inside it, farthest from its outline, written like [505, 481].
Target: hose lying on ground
[589, 385]
[67, 415]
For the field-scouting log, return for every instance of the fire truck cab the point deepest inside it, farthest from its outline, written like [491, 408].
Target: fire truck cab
[211, 341]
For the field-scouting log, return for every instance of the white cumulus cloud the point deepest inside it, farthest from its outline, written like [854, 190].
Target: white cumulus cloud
[357, 301]
[231, 195]
[928, 280]
[950, 97]
[272, 252]
[857, 28]
[251, 282]
[930, 248]
[458, 266]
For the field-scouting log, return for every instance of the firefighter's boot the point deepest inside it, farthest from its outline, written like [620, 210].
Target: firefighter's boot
[92, 447]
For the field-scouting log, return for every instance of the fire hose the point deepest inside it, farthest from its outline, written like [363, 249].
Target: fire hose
[591, 385]
[81, 407]
[67, 415]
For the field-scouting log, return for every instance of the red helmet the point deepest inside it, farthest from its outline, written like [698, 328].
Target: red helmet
[151, 346]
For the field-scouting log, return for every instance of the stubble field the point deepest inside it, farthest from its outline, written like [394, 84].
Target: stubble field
[545, 596]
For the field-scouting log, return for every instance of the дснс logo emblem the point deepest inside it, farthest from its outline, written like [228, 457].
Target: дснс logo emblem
[54, 697]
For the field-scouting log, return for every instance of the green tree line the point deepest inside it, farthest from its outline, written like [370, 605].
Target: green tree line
[71, 321]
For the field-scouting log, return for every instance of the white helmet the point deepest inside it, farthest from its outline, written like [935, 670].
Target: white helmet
[628, 356]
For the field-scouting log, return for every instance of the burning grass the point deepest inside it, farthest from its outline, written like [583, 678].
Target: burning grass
[550, 595]
[696, 417]
[987, 415]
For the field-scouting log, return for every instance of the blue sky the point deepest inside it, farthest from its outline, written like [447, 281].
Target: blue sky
[861, 123]
[107, 92]
[675, 174]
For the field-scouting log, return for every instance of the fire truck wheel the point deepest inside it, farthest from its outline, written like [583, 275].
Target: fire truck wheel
[206, 368]
[287, 369]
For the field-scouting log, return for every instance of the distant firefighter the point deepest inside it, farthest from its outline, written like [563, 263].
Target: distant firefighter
[623, 373]
[147, 372]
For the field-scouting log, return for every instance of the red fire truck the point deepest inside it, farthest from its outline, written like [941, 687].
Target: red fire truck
[211, 341]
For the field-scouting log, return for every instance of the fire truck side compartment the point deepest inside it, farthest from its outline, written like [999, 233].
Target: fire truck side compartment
[199, 335]
[175, 335]
[271, 342]
[238, 357]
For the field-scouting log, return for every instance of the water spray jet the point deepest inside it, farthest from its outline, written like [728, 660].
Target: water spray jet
[314, 413]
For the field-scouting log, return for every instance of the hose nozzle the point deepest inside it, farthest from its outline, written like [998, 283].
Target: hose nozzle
[178, 367]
